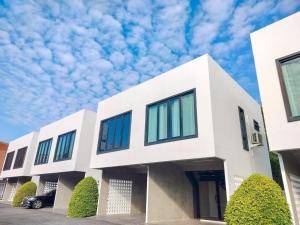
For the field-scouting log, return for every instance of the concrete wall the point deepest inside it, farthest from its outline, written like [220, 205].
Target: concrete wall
[65, 187]
[193, 74]
[83, 122]
[169, 194]
[270, 43]
[139, 186]
[227, 96]
[29, 141]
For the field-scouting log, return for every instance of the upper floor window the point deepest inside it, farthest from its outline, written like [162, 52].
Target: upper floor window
[171, 119]
[256, 126]
[289, 74]
[42, 154]
[64, 146]
[243, 129]
[114, 133]
[20, 157]
[8, 160]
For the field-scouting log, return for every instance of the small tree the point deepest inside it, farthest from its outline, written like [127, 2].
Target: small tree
[84, 199]
[27, 189]
[258, 201]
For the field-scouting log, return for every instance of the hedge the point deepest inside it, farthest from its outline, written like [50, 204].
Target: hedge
[84, 199]
[27, 189]
[258, 201]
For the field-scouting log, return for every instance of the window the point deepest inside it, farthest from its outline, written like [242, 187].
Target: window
[243, 129]
[114, 133]
[256, 125]
[20, 158]
[42, 154]
[289, 75]
[8, 161]
[171, 119]
[64, 146]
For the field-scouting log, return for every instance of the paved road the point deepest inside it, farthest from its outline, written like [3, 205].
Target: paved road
[20, 216]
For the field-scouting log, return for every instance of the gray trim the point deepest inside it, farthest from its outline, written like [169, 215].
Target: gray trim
[287, 106]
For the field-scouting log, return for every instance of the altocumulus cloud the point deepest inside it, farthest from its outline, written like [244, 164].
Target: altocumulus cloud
[57, 57]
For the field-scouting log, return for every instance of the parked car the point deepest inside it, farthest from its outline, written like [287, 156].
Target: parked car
[37, 202]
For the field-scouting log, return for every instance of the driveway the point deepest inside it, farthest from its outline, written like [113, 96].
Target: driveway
[19, 216]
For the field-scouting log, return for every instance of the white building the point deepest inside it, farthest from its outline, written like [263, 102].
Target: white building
[177, 146]
[63, 154]
[277, 58]
[16, 168]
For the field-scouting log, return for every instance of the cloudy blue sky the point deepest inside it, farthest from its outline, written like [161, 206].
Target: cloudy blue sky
[57, 57]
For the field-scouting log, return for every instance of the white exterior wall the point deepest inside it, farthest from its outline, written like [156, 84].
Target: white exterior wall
[84, 123]
[227, 96]
[29, 141]
[191, 75]
[270, 43]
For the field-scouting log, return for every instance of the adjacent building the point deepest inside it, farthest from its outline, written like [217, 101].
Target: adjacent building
[276, 51]
[3, 150]
[62, 156]
[17, 164]
[177, 146]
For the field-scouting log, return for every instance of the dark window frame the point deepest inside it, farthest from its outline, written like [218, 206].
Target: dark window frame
[19, 162]
[167, 100]
[243, 127]
[101, 132]
[56, 147]
[5, 167]
[256, 126]
[36, 155]
[286, 101]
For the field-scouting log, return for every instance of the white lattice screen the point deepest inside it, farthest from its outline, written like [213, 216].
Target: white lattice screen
[295, 181]
[2, 188]
[119, 197]
[13, 192]
[49, 186]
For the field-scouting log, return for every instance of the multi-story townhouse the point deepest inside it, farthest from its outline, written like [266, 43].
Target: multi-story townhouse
[177, 146]
[16, 168]
[62, 156]
[276, 51]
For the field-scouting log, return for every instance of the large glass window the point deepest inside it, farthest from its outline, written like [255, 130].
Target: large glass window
[171, 119]
[42, 154]
[243, 129]
[114, 133]
[8, 160]
[290, 82]
[64, 146]
[21, 153]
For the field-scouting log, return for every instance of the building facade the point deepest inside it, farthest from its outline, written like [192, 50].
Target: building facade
[177, 146]
[3, 150]
[276, 51]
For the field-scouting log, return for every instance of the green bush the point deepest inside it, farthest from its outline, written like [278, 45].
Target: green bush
[258, 201]
[27, 189]
[276, 169]
[84, 199]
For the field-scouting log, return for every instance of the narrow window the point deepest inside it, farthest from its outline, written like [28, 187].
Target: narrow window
[171, 119]
[289, 74]
[21, 153]
[243, 129]
[256, 125]
[114, 133]
[43, 151]
[8, 160]
[64, 146]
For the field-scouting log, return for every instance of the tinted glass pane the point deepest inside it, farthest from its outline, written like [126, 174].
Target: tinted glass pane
[65, 144]
[163, 121]
[243, 129]
[111, 133]
[103, 140]
[118, 131]
[20, 157]
[188, 115]
[126, 130]
[175, 118]
[152, 124]
[8, 160]
[291, 77]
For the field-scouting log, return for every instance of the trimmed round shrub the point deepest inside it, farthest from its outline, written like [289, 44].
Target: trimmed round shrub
[84, 199]
[27, 189]
[258, 201]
